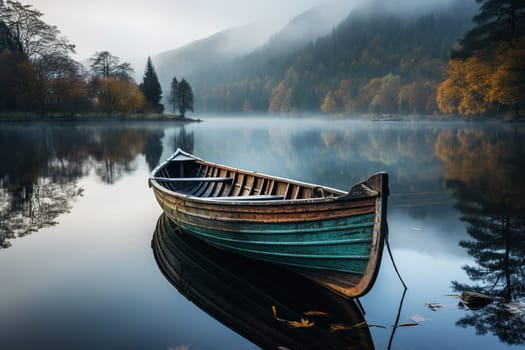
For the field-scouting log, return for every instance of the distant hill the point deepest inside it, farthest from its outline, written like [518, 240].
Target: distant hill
[381, 59]
[260, 41]
[209, 52]
[306, 28]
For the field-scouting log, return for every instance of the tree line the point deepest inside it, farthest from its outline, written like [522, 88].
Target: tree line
[386, 63]
[373, 63]
[38, 75]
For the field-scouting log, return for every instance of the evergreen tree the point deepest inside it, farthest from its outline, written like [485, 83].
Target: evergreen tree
[497, 20]
[185, 97]
[181, 96]
[174, 93]
[150, 87]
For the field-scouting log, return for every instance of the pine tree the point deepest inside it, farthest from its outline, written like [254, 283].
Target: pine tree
[174, 94]
[498, 20]
[181, 96]
[150, 87]
[185, 97]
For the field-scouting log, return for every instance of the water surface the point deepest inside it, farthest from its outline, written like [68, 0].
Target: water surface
[77, 220]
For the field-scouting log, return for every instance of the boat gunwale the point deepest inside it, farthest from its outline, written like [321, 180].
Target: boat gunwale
[230, 201]
[337, 193]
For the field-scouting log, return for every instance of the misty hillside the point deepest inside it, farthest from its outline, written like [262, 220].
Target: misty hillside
[379, 59]
[209, 52]
[215, 53]
[305, 28]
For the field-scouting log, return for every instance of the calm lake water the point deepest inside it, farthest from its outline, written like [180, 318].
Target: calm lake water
[77, 218]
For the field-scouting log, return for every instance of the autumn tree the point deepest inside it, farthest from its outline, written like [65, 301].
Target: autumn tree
[280, 98]
[115, 89]
[386, 97]
[366, 94]
[345, 95]
[118, 95]
[329, 104]
[492, 79]
[42, 54]
[150, 87]
[487, 72]
[67, 88]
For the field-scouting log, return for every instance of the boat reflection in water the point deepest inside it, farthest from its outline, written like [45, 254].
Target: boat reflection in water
[268, 305]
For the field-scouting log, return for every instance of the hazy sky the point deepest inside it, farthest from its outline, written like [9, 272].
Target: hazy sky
[133, 29]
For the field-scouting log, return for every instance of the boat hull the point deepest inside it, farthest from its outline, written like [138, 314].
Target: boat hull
[335, 241]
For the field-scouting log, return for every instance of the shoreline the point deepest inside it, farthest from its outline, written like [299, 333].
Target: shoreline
[23, 117]
[17, 117]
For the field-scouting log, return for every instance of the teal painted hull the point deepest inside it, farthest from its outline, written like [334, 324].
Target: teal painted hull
[342, 245]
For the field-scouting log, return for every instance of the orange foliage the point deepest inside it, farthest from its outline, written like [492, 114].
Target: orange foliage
[116, 95]
[492, 77]
[280, 101]
[329, 105]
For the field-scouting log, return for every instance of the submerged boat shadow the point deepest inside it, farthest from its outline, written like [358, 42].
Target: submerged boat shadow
[265, 303]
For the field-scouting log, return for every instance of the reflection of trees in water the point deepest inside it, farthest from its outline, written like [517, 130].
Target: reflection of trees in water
[152, 150]
[47, 201]
[183, 140]
[115, 151]
[483, 172]
[40, 166]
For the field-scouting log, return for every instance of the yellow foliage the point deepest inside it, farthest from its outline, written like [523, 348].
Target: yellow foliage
[280, 100]
[492, 77]
[344, 95]
[329, 105]
[117, 95]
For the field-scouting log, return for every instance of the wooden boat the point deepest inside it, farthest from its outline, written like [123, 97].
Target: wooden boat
[268, 305]
[331, 236]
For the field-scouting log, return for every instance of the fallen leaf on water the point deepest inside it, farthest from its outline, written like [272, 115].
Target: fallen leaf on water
[407, 324]
[303, 324]
[434, 306]
[315, 313]
[345, 327]
[339, 327]
[417, 318]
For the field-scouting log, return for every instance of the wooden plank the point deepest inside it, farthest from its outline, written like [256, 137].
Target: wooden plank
[248, 198]
[193, 179]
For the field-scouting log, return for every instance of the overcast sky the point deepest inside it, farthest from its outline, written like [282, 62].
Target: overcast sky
[134, 29]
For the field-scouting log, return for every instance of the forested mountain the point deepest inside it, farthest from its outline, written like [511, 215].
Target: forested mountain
[259, 42]
[210, 52]
[373, 61]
